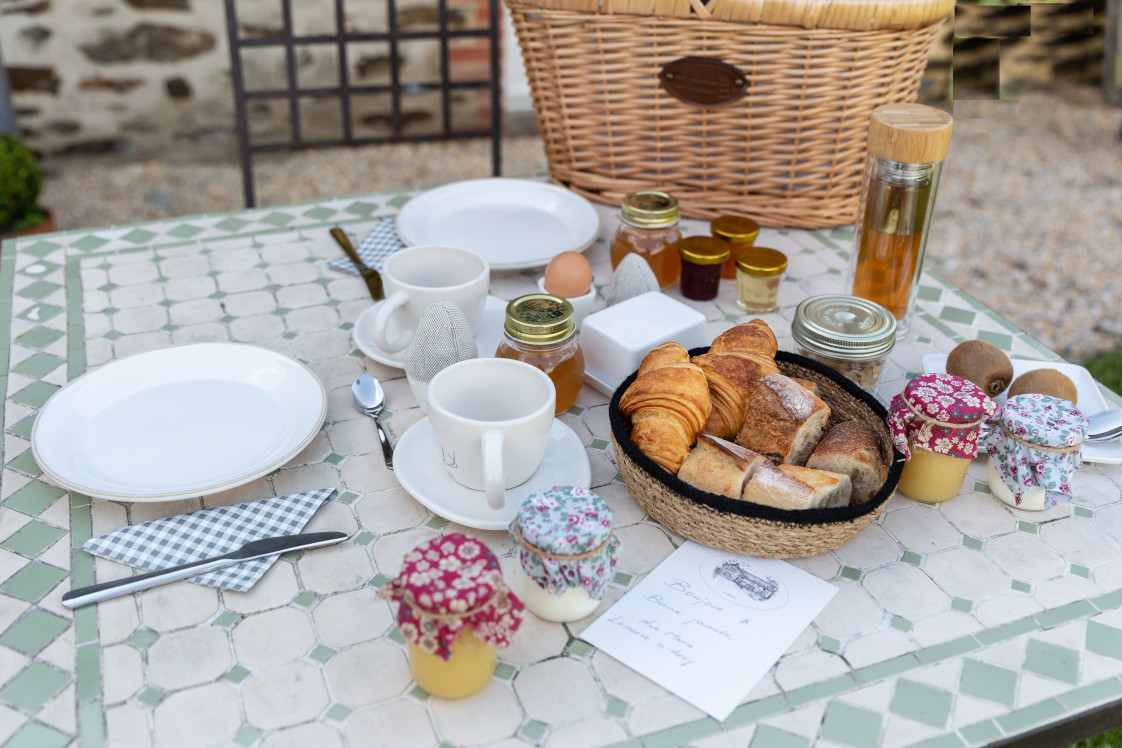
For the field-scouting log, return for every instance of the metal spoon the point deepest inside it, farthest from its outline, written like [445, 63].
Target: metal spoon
[370, 399]
[1105, 426]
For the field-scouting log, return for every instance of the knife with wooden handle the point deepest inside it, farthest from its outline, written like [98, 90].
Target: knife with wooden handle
[254, 549]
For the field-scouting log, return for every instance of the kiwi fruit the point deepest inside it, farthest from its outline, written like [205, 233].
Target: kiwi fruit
[1044, 382]
[982, 363]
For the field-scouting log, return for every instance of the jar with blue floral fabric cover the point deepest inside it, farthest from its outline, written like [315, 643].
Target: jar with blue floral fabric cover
[567, 552]
[1035, 444]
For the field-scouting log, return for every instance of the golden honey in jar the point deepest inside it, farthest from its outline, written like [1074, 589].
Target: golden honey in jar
[935, 423]
[739, 232]
[539, 330]
[649, 228]
[759, 271]
[454, 611]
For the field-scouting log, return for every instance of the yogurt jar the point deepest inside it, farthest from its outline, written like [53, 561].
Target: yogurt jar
[567, 552]
[455, 611]
[1035, 444]
[936, 422]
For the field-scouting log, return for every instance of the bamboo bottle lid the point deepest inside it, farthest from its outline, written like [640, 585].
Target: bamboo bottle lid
[910, 133]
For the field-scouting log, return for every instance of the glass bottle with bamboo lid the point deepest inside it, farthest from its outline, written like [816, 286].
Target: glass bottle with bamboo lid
[739, 232]
[906, 147]
[454, 611]
[649, 228]
[539, 330]
[935, 422]
[702, 260]
[759, 271]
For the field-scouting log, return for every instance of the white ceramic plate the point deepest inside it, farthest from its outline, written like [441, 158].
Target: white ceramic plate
[1090, 399]
[513, 223]
[487, 336]
[178, 422]
[416, 463]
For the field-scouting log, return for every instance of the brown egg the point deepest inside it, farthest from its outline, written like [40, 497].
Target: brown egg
[568, 275]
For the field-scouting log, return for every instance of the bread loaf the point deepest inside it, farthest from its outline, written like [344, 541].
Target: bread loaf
[783, 421]
[719, 466]
[794, 487]
[667, 405]
[753, 337]
[850, 448]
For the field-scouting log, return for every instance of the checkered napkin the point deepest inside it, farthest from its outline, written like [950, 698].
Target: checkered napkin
[163, 543]
[380, 243]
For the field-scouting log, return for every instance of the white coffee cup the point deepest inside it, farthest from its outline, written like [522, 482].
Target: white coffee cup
[416, 277]
[491, 418]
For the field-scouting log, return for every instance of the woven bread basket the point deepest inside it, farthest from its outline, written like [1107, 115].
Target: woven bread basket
[780, 139]
[754, 529]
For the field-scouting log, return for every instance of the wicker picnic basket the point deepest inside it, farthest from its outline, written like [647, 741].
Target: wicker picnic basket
[746, 107]
[754, 529]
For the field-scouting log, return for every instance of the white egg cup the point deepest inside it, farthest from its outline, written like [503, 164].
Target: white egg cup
[582, 305]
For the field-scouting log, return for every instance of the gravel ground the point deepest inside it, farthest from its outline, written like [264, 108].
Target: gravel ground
[1028, 217]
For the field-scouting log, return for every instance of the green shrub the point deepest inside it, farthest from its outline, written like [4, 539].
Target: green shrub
[21, 179]
[1107, 368]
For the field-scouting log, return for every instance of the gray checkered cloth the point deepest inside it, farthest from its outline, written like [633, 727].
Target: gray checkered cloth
[380, 243]
[163, 543]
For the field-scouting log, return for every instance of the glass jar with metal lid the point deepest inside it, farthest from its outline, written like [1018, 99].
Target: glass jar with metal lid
[851, 335]
[759, 270]
[739, 232]
[539, 330]
[702, 260]
[649, 228]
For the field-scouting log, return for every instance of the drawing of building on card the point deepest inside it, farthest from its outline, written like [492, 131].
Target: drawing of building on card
[757, 588]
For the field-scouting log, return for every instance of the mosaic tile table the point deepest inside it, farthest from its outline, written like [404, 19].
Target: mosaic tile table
[953, 625]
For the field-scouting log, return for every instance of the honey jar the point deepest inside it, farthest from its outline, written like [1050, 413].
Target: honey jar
[935, 422]
[455, 612]
[702, 260]
[759, 271]
[1034, 446]
[649, 228]
[566, 552]
[539, 329]
[740, 233]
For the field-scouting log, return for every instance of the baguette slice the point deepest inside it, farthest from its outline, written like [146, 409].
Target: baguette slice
[850, 448]
[793, 487]
[719, 466]
[783, 421]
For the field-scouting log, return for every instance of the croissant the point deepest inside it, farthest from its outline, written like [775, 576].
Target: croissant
[668, 405]
[753, 337]
[731, 378]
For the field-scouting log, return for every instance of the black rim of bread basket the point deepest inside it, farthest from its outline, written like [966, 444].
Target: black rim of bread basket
[621, 431]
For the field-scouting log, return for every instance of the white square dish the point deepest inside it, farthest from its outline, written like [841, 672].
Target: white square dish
[615, 340]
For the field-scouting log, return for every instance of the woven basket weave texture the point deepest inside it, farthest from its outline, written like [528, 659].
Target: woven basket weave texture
[789, 152]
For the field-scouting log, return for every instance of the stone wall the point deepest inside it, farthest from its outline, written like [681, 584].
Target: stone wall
[150, 78]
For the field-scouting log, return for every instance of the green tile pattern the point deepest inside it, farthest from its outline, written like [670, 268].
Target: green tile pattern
[33, 581]
[1052, 661]
[922, 703]
[988, 681]
[32, 539]
[851, 725]
[33, 687]
[32, 633]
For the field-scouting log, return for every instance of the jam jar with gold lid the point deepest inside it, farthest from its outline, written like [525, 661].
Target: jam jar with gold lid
[649, 228]
[739, 232]
[539, 330]
[702, 260]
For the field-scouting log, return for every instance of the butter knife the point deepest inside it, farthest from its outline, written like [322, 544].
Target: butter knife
[370, 275]
[254, 549]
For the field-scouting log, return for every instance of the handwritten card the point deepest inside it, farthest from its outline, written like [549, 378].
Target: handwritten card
[707, 625]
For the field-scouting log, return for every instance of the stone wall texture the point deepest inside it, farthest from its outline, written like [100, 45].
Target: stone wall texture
[151, 78]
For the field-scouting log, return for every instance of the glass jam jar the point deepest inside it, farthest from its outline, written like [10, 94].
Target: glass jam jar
[454, 611]
[852, 336]
[759, 271]
[935, 422]
[539, 330]
[740, 233]
[566, 552]
[702, 260]
[1034, 446]
[649, 228]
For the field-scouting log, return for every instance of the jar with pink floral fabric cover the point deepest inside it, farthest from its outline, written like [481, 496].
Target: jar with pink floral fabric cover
[936, 422]
[455, 611]
[1035, 445]
[566, 552]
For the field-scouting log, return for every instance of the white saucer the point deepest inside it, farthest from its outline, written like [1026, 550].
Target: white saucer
[487, 335]
[416, 463]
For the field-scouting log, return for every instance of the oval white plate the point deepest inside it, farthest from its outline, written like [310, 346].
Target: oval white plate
[512, 223]
[178, 422]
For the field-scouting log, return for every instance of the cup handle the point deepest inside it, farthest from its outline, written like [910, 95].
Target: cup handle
[382, 320]
[494, 478]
